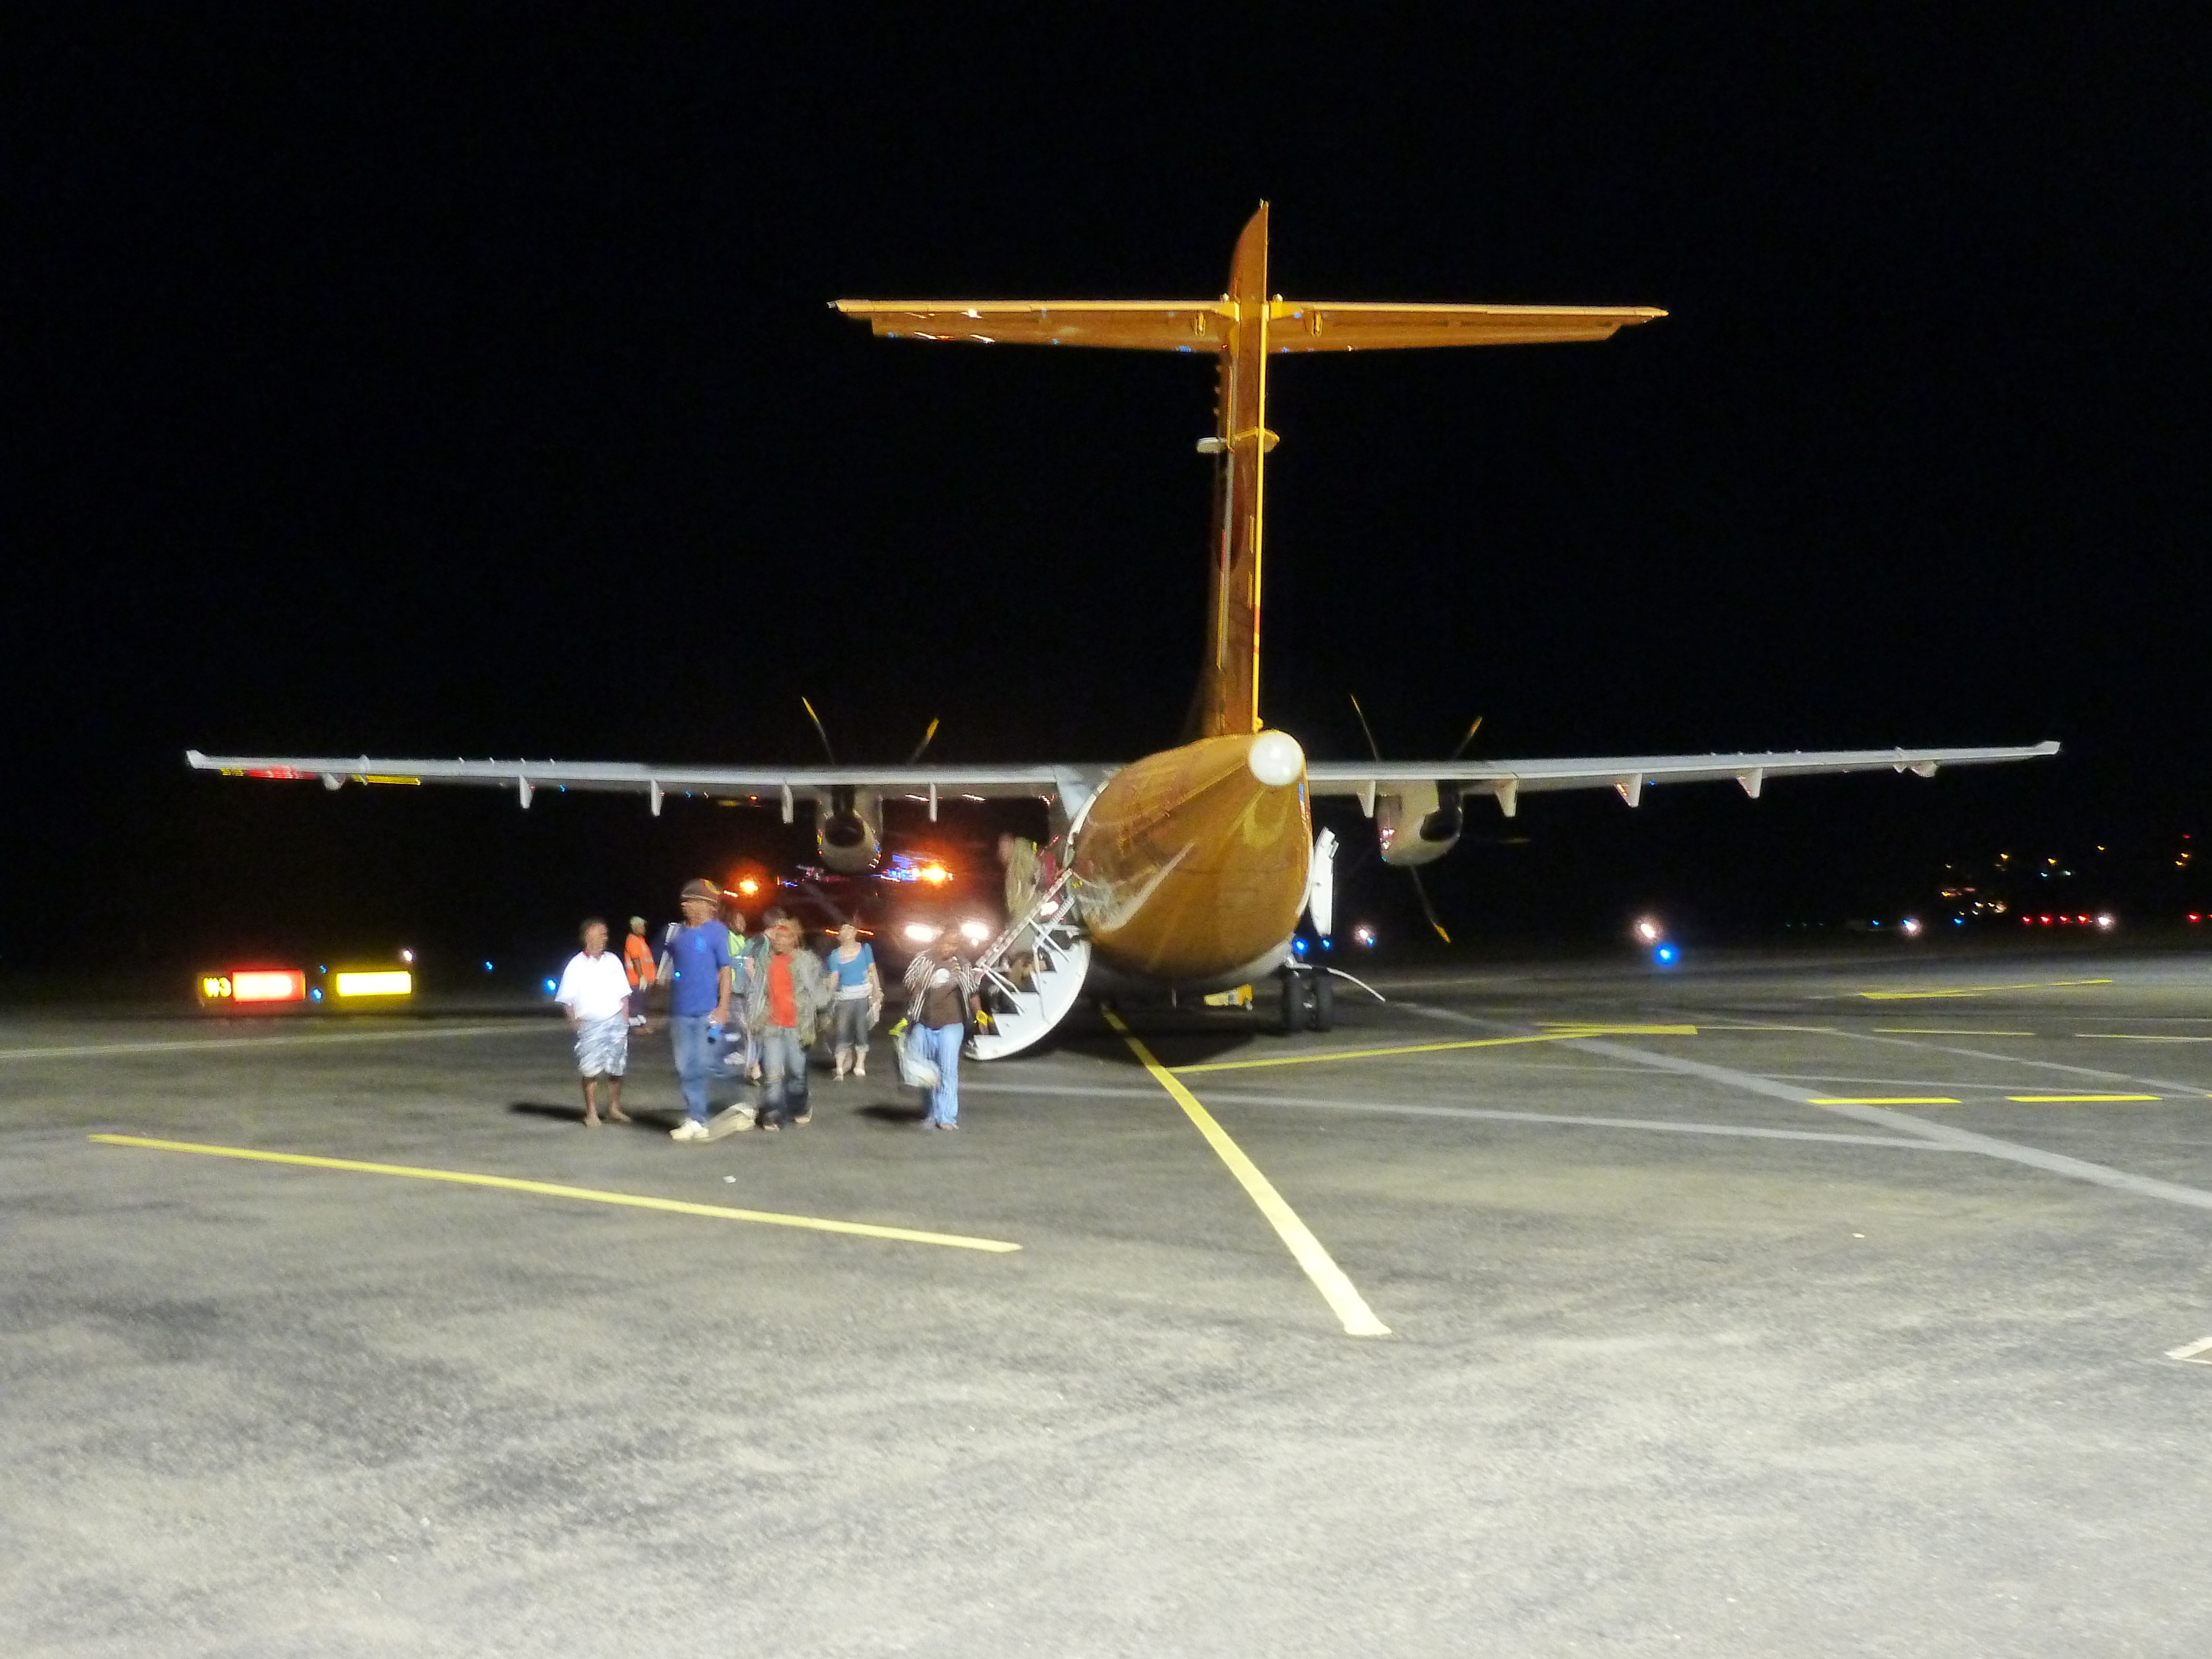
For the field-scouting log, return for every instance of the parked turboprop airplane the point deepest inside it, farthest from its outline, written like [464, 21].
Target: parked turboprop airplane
[1188, 868]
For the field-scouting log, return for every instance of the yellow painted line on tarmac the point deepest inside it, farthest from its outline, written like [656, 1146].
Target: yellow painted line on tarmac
[1882, 1100]
[2057, 1100]
[1973, 990]
[1566, 1035]
[1944, 1030]
[1336, 1289]
[551, 1189]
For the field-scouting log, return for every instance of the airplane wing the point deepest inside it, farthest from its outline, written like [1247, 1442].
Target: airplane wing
[1208, 325]
[777, 784]
[1508, 780]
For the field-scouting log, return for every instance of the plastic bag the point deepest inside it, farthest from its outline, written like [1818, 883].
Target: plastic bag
[916, 1069]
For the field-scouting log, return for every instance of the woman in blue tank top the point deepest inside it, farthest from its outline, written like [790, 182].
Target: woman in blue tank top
[859, 999]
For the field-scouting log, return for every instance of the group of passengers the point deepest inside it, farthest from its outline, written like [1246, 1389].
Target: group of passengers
[746, 1011]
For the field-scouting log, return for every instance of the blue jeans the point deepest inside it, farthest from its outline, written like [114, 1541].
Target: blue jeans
[942, 1044]
[783, 1075]
[697, 1060]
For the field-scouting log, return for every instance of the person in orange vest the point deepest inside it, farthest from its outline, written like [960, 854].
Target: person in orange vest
[637, 962]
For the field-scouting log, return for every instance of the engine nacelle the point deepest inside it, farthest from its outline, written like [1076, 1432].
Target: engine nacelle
[848, 830]
[1419, 822]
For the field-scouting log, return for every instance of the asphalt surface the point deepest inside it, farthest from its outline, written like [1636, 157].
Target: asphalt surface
[1679, 1363]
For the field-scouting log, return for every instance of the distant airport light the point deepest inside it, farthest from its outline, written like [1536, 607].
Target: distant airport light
[935, 874]
[487, 967]
[550, 987]
[407, 956]
[2107, 922]
[1649, 930]
[1299, 946]
[268, 985]
[1666, 955]
[921, 933]
[384, 983]
[315, 995]
[974, 931]
[748, 886]
[1910, 925]
[1363, 935]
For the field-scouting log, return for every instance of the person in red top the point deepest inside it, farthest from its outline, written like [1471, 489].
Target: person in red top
[784, 1006]
[637, 962]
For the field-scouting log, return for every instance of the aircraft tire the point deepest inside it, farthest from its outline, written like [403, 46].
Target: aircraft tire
[1324, 1002]
[1294, 1003]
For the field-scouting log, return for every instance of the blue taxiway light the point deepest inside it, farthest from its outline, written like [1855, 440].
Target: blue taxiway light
[550, 987]
[315, 995]
[1666, 955]
[487, 967]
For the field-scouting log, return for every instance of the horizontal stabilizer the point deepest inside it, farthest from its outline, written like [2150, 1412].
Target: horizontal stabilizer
[1209, 324]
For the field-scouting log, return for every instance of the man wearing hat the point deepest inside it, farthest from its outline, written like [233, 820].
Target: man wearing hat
[698, 999]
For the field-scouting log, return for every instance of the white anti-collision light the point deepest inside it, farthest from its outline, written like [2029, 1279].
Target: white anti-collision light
[1276, 759]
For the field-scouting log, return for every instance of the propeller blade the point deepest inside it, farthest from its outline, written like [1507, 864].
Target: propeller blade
[1464, 741]
[1373, 748]
[1427, 909]
[924, 744]
[819, 731]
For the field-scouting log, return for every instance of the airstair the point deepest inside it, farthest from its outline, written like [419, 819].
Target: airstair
[1027, 1000]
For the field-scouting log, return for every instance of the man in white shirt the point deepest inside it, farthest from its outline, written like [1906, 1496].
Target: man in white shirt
[595, 994]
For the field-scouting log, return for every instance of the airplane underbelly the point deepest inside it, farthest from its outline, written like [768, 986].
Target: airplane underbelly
[1192, 864]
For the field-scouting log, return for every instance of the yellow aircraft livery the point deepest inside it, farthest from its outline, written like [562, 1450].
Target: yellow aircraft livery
[1188, 868]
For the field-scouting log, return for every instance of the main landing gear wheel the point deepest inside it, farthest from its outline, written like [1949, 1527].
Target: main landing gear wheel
[1294, 1002]
[1324, 1001]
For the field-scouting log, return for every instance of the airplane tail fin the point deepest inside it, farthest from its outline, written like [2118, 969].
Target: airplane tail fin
[1227, 700]
[1242, 328]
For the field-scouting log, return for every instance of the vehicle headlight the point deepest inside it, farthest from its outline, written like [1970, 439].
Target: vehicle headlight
[921, 931]
[974, 931]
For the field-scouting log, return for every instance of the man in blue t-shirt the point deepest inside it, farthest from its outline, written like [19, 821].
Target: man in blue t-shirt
[698, 998]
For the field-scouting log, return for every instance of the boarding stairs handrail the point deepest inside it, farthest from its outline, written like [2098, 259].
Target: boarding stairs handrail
[1060, 962]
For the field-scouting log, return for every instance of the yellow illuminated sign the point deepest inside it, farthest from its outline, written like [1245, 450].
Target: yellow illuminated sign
[389, 982]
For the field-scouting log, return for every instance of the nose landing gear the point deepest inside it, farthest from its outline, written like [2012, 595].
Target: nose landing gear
[1308, 999]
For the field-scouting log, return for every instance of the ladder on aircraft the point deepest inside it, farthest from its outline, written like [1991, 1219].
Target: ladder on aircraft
[1024, 1008]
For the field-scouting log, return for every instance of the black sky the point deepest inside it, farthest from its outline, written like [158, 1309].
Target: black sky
[445, 381]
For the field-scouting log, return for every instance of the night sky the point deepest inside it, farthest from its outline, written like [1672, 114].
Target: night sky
[446, 383]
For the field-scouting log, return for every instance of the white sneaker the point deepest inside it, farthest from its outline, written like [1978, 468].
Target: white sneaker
[687, 1130]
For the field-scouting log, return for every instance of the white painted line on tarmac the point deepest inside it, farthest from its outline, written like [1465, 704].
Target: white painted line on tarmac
[1565, 1120]
[1480, 1113]
[1885, 1116]
[320, 1040]
[2191, 1089]
[2198, 1352]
